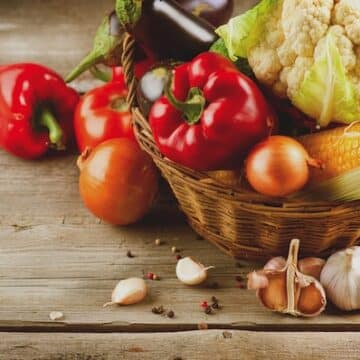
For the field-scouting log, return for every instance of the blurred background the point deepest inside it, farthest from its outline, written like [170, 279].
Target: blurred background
[52, 32]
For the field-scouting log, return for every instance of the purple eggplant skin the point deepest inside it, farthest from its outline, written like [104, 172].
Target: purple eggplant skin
[216, 12]
[169, 31]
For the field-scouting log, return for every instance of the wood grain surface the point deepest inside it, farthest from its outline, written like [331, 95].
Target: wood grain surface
[196, 345]
[55, 256]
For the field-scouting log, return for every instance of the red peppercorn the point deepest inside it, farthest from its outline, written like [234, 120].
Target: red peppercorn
[204, 304]
[241, 285]
[178, 257]
[150, 276]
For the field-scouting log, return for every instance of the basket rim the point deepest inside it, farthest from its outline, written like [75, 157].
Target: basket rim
[249, 200]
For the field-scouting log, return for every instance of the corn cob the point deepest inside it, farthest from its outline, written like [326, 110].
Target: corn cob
[338, 149]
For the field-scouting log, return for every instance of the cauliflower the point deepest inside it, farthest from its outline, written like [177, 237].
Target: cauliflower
[306, 50]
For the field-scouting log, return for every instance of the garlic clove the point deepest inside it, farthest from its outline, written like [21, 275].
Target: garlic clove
[56, 315]
[257, 280]
[128, 292]
[276, 263]
[191, 272]
[312, 300]
[288, 290]
[274, 296]
[341, 278]
[311, 266]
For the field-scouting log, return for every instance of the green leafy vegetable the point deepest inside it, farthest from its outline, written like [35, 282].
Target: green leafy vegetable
[326, 92]
[242, 64]
[244, 31]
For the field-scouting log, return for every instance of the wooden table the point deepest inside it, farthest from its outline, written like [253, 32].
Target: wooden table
[55, 256]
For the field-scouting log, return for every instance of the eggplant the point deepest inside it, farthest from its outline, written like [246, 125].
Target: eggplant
[152, 85]
[165, 29]
[216, 12]
[169, 31]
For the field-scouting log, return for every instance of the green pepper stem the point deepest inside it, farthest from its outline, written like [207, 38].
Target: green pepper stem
[192, 108]
[56, 134]
[90, 60]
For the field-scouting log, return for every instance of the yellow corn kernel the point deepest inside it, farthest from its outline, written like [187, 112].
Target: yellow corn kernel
[338, 149]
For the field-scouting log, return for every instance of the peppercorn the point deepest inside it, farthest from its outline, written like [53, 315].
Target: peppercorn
[150, 276]
[239, 278]
[208, 310]
[129, 254]
[214, 299]
[158, 310]
[204, 304]
[178, 257]
[170, 314]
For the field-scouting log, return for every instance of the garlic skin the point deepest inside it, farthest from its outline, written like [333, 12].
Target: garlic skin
[341, 278]
[191, 272]
[281, 286]
[128, 292]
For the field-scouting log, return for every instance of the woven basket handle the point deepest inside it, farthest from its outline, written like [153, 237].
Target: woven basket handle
[127, 60]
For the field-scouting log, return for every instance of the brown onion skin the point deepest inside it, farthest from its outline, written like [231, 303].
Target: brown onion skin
[118, 181]
[277, 166]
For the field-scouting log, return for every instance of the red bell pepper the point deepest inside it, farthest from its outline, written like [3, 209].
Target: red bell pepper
[103, 114]
[36, 110]
[212, 117]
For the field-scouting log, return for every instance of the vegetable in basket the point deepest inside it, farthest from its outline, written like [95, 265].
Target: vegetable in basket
[165, 28]
[338, 149]
[152, 85]
[36, 110]
[279, 166]
[307, 51]
[212, 115]
[216, 12]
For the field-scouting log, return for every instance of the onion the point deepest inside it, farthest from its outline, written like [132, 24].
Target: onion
[278, 166]
[118, 181]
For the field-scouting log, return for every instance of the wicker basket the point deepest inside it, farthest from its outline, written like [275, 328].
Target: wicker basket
[242, 223]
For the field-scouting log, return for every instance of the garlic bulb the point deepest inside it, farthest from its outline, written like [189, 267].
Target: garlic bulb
[127, 292]
[281, 285]
[341, 278]
[191, 272]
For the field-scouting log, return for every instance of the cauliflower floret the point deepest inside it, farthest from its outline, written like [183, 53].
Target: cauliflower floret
[344, 45]
[286, 54]
[296, 74]
[274, 34]
[305, 22]
[347, 14]
[265, 63]
[357, 65]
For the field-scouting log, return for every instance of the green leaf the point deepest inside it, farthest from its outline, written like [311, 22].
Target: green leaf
[242, 64]
[128, 11]
[243, 32]
[326, 93]
[344, 187]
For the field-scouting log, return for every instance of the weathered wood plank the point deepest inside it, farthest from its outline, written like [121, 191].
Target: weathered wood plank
[54, 255]
[199, 345]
